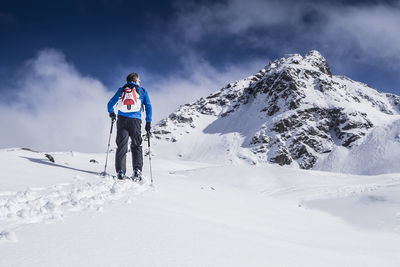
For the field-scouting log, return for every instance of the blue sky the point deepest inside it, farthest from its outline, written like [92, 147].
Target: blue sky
[101, 37]
[185, 49]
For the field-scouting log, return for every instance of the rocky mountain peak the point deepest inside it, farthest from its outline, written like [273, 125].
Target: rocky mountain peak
[292, 112]
[312, 61]
[317, 60]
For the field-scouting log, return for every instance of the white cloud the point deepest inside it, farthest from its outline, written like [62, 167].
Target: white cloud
[366, 31]
[55, 108]
[369, 32]
[235, 17]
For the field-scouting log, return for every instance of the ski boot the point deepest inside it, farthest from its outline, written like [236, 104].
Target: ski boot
[121, 175]
[137, 175]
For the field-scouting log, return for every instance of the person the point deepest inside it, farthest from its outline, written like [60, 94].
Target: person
[131, 99]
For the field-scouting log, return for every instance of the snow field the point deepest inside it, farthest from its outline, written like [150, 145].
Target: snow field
[201, 214]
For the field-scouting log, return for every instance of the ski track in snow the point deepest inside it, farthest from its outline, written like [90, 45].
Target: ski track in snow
[50, 204]
[312, 192]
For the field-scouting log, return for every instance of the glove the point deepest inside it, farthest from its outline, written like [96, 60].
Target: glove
[113, 116]
[148, 126]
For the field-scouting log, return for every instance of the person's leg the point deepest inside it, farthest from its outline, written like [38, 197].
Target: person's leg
[122, 144]
[136, 144]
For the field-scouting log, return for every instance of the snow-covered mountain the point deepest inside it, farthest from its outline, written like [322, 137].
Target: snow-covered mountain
[292, 112]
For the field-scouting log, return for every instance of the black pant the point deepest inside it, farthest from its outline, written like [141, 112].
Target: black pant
[128, 127]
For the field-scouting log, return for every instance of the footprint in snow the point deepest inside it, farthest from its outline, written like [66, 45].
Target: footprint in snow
[50, 204]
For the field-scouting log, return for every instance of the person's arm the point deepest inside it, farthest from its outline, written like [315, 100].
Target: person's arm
[147, 105]
[114, 100]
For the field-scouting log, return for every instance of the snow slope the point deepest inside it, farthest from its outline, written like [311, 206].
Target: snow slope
[199, 214]
[379, 153]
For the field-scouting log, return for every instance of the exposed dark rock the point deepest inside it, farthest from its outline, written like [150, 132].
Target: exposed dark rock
[272, 110]
[50, 157]
[161, 131]
[350, 139]
[286, 124]
[395, 101]
[214, 95]
[301, 152]
[227, 113]
[163, 123]
[317, 60]
[28, 149]
[181, 118]
[281, 159]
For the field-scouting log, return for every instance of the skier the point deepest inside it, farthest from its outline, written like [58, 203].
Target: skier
[131, 99]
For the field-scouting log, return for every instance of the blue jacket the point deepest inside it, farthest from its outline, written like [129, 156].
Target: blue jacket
[144, 97]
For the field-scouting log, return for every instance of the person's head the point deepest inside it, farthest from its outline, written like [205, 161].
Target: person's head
[133, 77]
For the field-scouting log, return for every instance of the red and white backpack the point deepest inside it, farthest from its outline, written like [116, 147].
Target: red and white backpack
[130, 100]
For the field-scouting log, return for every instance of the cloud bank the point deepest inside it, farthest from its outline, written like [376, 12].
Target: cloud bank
[369, 32]
[53, 107]
[365, 31]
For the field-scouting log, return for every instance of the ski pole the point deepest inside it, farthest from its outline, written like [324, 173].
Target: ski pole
[148, 143]
[108, 147]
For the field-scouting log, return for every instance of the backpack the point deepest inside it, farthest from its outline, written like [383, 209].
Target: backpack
[130, 99]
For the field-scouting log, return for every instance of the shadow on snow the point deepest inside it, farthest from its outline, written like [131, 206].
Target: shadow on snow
[45, 162]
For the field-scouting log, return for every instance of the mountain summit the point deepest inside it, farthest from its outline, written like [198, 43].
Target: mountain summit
[292, 112]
